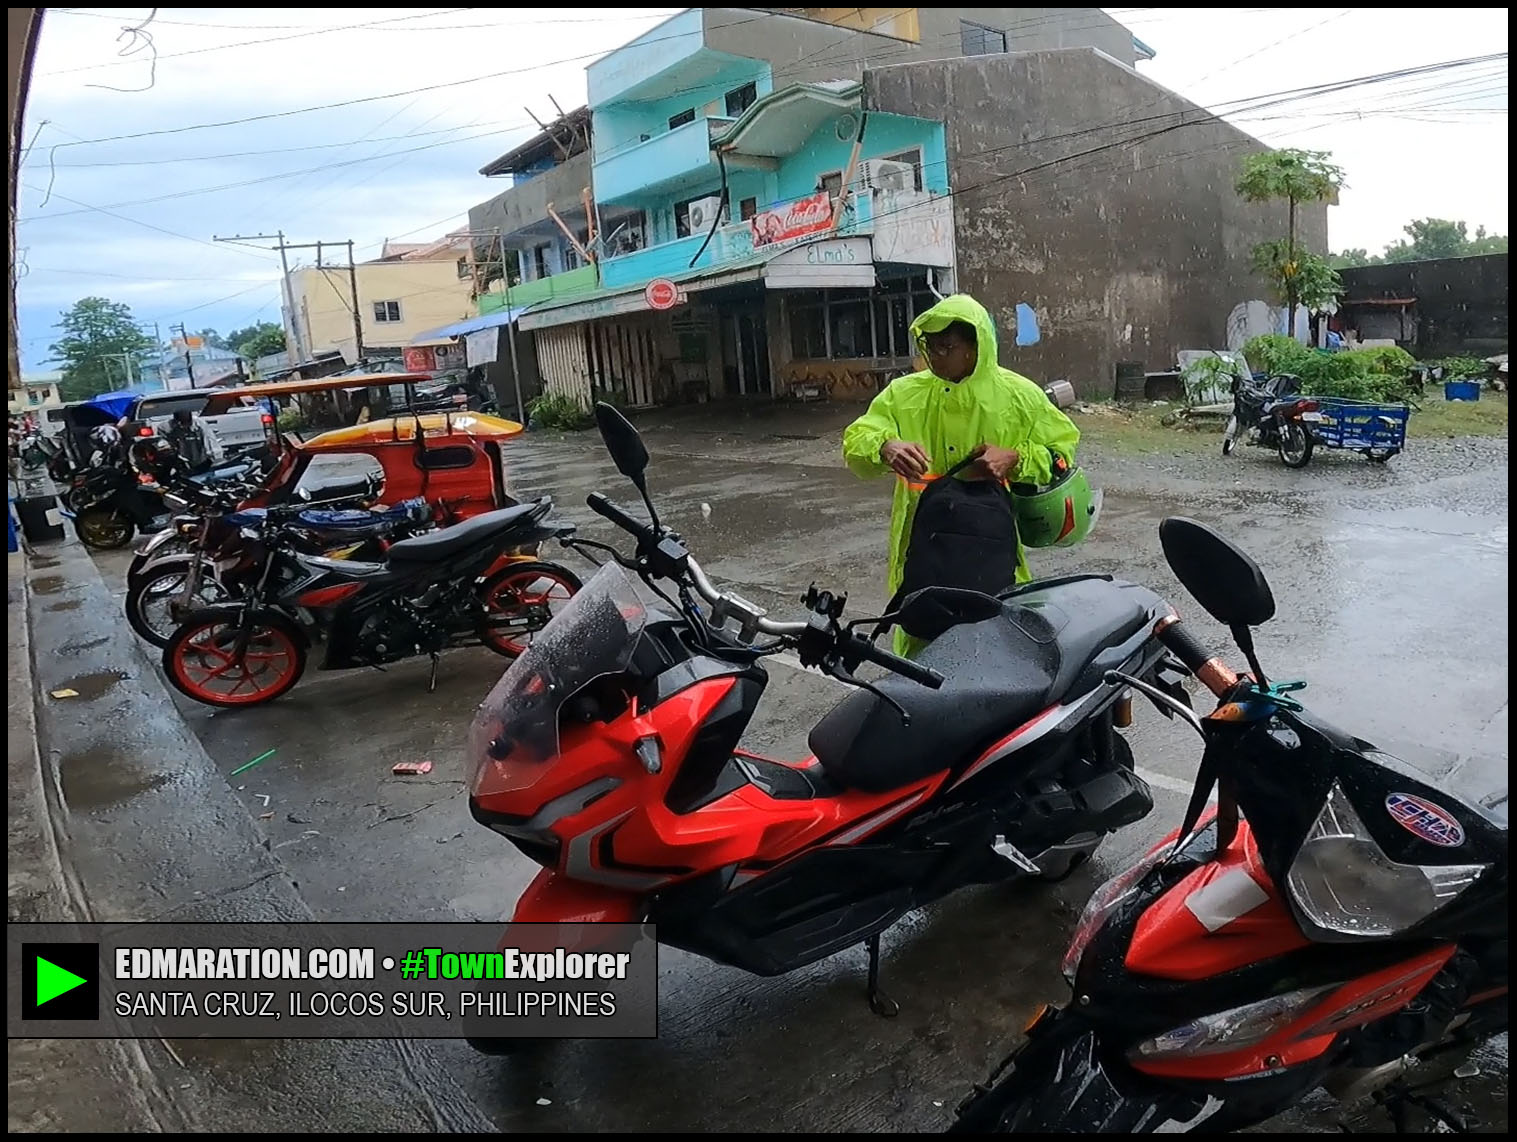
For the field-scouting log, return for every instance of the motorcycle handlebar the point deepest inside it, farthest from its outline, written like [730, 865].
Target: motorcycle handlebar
[896, 664]
[857, 647]
[1207, 668]
[604, 508]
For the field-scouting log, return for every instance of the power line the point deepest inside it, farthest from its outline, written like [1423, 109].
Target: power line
[361, 99]
[122, 217]
[253, 43]
[368, 27]
[500, 125]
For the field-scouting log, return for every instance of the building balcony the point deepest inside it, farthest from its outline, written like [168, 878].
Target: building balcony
[661, 164]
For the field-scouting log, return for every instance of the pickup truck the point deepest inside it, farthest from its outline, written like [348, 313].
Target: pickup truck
[243, 429]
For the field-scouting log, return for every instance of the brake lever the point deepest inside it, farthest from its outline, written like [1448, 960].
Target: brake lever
[843, 675]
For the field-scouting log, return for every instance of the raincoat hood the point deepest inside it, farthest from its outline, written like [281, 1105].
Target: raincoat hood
[962, 307]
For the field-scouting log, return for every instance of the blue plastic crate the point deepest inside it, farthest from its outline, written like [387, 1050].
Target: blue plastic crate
[1362, 426]
[1461, 390]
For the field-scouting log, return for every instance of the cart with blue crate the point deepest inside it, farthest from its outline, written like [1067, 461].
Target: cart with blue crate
[1374, 430]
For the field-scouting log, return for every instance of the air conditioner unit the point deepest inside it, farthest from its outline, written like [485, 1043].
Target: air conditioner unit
[703, 212]
[884, 174]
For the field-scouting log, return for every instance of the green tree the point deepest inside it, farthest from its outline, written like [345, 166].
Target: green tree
[1348, 259]
[1441, 238]
[98, 348]
[1298, 277]
[257, 340]
[212, 339]
[1296, 176]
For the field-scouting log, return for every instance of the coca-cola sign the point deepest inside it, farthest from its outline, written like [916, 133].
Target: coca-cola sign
[810, 215]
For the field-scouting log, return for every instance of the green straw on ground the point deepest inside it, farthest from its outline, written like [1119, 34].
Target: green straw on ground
[255, 761]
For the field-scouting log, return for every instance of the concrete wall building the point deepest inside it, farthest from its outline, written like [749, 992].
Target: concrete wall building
[1099, 199]
[745, 238]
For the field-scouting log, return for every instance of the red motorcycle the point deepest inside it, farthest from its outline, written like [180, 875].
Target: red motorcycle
[1348, 931]
[609, 753]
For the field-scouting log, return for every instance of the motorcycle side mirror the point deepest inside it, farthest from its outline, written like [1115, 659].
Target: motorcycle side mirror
[623, 443]
[930, 606]
[627, 450]
[1218, 574]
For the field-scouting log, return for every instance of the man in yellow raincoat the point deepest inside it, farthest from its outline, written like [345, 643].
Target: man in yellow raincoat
[963, 403]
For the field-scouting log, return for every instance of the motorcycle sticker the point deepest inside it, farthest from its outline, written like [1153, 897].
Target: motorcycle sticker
[1425, 820]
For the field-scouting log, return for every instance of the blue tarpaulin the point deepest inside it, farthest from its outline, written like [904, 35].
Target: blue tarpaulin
[115, 405]
[471, 325]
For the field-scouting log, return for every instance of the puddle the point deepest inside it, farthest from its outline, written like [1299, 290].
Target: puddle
[48, 584]
[91, 686]
[104, 777]
[88, 644]
[70, 605]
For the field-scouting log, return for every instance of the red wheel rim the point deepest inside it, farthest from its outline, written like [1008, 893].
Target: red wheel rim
[527, 600]
[206, 664]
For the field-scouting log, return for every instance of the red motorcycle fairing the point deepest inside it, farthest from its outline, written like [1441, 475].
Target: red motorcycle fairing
[553, 899]
[1225, 915]
[1354, 1004]
[619, 832]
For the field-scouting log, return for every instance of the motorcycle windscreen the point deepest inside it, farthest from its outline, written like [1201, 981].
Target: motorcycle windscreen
[515, 733]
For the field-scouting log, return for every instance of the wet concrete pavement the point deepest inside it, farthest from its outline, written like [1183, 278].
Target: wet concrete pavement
[1392, 602]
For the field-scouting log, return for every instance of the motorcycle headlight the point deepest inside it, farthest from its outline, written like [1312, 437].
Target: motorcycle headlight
[1230, 1030]
[1344, 887]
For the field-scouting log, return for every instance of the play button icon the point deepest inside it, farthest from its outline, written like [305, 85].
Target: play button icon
[60, 981]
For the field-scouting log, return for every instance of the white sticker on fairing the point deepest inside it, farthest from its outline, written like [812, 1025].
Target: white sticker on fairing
[1230, 896]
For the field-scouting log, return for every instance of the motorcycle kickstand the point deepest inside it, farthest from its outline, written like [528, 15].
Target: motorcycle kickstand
[880, 1003]
[432, 679]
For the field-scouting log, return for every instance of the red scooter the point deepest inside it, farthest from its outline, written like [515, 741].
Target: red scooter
[1348, 930]
[609, 753]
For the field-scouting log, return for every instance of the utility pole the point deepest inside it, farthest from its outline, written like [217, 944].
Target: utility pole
[292, 330]
[163, 373]
[189, 362]
[352, 268]
[357, 317]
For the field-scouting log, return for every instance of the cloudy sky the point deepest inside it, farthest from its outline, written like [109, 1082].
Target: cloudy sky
[333, 123]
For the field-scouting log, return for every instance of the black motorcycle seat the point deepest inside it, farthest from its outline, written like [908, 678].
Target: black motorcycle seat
[998, 674]
[436, 545]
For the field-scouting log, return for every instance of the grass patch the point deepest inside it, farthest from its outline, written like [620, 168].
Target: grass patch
[1141, 430]
[1437, 417]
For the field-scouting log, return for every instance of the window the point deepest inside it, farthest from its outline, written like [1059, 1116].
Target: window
[387, 312]
[741, 99]
[911, 158]
[747, 208]
[848, 320]
[808, 330]
[34, 397]
[463, 269]
[540, 263]
[686, 116]
[831, 183]
[448, 456]
[978, 40]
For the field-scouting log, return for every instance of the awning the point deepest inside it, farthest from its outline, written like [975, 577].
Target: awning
[470, 325]
[633, 299]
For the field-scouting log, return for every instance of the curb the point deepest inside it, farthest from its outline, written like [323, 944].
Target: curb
[142, 826]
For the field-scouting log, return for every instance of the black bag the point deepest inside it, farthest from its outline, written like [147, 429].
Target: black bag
[964, 535]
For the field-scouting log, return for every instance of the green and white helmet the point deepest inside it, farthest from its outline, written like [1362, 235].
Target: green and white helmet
[1060, 514]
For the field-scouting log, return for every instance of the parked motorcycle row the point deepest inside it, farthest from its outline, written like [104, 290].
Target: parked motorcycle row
[236, 596]
[1323, 917]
